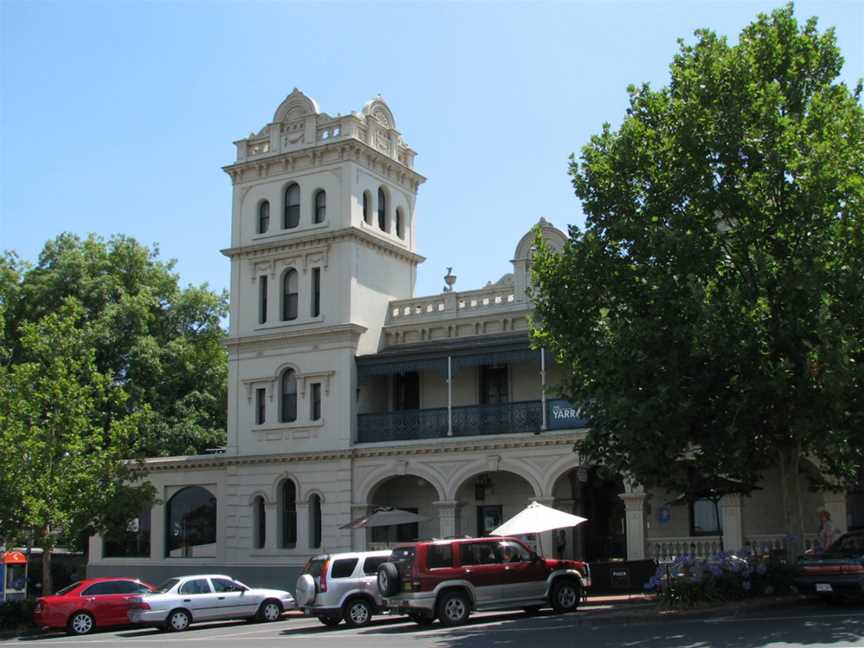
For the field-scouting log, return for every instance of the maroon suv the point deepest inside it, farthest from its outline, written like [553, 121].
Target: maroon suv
[448, 579]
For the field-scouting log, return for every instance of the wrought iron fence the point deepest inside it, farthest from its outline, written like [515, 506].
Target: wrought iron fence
[406, 425]
[501, 418]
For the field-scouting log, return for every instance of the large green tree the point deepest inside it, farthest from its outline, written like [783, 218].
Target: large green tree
[710, 315]
[68, 447]
[160, 342]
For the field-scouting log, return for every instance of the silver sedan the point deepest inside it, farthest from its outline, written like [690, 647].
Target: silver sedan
[179, 602]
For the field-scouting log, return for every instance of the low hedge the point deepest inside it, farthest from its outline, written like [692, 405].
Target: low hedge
[16, 615]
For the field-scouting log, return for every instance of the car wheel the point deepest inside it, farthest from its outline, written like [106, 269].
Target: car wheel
[178, 621]
[420, 618]
[357, 613]
[565, 596]
[330, 622]
[81, 623]
[453, 608]
[270, 611]
[388, 579]
[532, 609]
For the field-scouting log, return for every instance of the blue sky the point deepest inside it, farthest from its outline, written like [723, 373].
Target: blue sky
[117, 117]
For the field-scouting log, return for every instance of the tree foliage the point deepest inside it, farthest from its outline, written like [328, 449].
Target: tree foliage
[711, 313]
[67, 444]
[161, 343]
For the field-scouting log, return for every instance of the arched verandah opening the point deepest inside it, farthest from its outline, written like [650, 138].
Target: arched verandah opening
[488, 499]
[594, 493]
[408, 493]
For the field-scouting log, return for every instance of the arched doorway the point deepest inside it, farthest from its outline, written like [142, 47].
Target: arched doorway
[408, 493]
[592, 492]
[490, 498]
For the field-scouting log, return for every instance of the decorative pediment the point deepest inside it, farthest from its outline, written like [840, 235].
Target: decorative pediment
[378, 110]
[296, 106]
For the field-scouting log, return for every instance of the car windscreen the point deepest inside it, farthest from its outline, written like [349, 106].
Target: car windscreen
[68, 588]
[167, 585]
[314, 566]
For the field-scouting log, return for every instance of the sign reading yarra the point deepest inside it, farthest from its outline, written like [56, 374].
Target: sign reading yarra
[563, 414]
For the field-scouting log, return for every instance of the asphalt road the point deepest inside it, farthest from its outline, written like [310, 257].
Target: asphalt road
[813, 626]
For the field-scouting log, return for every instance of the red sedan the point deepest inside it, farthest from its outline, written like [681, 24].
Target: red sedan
[83, 606]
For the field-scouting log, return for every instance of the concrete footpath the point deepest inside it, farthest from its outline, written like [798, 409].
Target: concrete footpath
[642, 608]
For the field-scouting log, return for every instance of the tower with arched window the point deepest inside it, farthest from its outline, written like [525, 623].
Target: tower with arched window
[322, 240]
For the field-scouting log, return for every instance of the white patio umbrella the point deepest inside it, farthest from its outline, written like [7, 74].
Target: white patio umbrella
[537, 518]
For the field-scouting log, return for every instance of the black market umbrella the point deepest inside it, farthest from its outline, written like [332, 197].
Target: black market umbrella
[384, 516]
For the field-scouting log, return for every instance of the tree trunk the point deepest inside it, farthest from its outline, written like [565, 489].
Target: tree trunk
[790, 487]
[47, 581]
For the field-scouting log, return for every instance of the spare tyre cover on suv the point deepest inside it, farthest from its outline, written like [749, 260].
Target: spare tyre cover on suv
[305, 594]
[388, 579]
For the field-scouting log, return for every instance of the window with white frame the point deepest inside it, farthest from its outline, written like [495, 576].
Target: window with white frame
[289, 294]
[291, 217]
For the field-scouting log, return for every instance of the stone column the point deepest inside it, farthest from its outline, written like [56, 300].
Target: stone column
[271, 525]
[157, 532]
[358, 536]
[731, 523]
[835, 504]
[448, 518]
[95, 548]
[302, 525]
[634, 517]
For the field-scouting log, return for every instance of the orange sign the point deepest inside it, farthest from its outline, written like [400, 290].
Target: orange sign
[14, 558]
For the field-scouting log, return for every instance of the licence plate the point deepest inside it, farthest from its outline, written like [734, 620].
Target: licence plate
[823, 587]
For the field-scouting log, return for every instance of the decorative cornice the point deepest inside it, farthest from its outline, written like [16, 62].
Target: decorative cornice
[320, 332]
[319, 239]
[354, 148]
[499, 442]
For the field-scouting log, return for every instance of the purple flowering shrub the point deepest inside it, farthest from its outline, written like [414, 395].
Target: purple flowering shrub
[724, 576]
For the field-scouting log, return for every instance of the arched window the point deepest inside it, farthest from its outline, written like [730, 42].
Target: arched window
[314, 521]
[288, 397]
[382, 210]
[259, 521]
[292, 206]
[289, 295]
[320, 206]
[263, 216]
[367, 208]
[288, 514]
[190, 523]
[400, 223]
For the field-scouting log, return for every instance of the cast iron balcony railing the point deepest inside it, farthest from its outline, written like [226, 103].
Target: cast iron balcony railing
[501, 418]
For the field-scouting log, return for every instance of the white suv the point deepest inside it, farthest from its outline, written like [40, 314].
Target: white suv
[336, 587]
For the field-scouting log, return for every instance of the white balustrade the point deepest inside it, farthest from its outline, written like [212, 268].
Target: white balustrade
[761, 544]
[449, 303]
[668, 549]
[258, 148]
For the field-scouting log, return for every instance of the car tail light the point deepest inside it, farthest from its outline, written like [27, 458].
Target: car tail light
[138, 604]
[322, 584]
